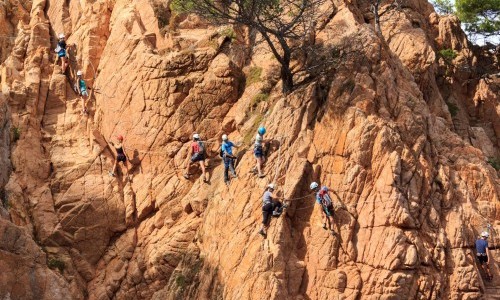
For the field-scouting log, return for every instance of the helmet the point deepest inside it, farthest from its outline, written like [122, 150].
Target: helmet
[271, 186]
[224, 137]
[261, 130]
[314, 185]
[119, 137]
[79, 73]
[258, 138]
[196, 136]
[61, 35]
[485, 234]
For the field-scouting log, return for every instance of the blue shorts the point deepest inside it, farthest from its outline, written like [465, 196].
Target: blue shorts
[258, 152]
[85, 93]
[61, 53]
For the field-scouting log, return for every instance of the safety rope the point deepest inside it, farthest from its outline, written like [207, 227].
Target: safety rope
[278, 162]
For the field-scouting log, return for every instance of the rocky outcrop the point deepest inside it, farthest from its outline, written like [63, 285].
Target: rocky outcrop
[401, 136]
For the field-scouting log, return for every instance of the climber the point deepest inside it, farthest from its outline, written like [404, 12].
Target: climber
[61, 52]
[228, 158]
[197, 154]
[482, 254]
[271, 207]
[326, 203]
[121, 156]
[82, 91]
[258, 151]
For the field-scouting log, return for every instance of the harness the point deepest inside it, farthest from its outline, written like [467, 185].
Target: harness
[326, 201]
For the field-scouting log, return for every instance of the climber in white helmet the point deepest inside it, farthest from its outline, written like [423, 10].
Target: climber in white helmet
[61, 52]
[82, 91]
[271, 207]
[228, 157]
[325, 201]
[482, 254]
[197, 154]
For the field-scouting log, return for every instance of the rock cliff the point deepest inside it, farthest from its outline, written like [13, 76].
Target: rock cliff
[405, 136]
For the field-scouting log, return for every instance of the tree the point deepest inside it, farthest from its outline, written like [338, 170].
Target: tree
[375, 4]
[283, 24]
[480, 16]
[444, 7]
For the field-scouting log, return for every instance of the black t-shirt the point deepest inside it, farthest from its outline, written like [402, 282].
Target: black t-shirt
[62, 44]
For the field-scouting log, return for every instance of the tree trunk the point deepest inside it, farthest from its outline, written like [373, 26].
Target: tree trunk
[286, 74]
[375, 7]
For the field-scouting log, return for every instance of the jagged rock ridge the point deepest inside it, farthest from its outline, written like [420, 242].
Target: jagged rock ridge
[400, 135]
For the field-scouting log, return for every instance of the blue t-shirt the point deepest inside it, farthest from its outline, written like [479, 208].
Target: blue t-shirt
[227, 147]
[481, 246]
[83, 86]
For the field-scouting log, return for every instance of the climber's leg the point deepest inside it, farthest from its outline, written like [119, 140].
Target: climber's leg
[203, 171]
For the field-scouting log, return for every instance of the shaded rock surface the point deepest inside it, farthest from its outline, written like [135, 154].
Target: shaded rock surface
[407, 141]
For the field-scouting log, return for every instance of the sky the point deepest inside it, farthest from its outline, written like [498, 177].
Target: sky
[478, 39]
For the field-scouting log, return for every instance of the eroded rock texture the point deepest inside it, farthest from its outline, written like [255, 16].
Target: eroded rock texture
[407, 140]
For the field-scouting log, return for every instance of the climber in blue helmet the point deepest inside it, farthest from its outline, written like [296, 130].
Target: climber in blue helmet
[258, 151]
[326, 203]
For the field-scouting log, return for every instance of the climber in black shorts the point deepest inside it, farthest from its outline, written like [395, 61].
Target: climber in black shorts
[120, 156]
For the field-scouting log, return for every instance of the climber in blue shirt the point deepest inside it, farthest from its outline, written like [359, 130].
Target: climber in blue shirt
[482, 253]
[228, 158]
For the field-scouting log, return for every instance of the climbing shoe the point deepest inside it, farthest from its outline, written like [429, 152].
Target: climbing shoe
[261, 232]
[333, 233]
[186, 176]
[324, 226]
[262, 175]
[284, 206]
[111, 174]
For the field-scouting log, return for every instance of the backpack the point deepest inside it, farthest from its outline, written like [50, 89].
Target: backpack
[326, 201]
[202, 147]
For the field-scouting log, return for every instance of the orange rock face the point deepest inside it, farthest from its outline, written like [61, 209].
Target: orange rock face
[406, 141]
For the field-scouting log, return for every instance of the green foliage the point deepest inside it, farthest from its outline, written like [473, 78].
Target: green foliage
[55, 263]
[480, 16]
[181, 6]
[253, 75]
[247, 139]
[448, 55]
[444, 7]
[180, 280]
[16, 134]
[495, 163]
[260, 97]
[453, 108]
[228, 32]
